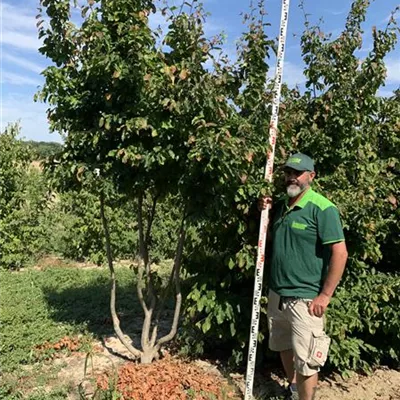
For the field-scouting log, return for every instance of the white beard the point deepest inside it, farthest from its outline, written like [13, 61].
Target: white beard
[293, 190]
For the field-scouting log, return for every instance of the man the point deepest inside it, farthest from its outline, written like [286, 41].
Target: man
[308, 257]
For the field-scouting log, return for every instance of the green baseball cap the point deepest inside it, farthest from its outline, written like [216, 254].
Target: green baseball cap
[300, 162]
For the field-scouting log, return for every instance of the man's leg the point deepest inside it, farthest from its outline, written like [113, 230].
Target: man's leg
[307, 386]
[305, 328]
[280, 335]
[288, 365]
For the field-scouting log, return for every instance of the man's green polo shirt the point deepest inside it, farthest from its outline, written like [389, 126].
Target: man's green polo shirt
[300, 234]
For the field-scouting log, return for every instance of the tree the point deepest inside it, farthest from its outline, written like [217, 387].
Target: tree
[340, 110]
[152, 122]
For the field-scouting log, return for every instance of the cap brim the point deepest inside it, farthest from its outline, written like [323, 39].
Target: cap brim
[295, 167]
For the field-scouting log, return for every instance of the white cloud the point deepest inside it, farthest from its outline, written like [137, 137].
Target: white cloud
[337, 12]
[23, 62]
[18, 27]
[393, 70]
[20, 40]
[17, 79]
[14, 18]
[32, 117]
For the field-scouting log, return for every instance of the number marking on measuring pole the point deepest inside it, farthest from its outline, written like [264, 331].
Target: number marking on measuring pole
[258, 281]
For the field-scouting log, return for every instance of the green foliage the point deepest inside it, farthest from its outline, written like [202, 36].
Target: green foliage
[223, 255]
[23, 195]
[364, 322]
[79, 233]
[339, 110]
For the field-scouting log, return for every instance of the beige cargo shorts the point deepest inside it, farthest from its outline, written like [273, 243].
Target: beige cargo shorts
[291, 327]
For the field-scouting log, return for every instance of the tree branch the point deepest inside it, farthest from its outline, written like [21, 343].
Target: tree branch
[150, 220]
[176, 278]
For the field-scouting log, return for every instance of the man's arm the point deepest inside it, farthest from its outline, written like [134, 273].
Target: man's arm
[336, 268]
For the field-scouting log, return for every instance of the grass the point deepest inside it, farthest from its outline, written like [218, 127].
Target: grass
[39, 308]
[45, 306]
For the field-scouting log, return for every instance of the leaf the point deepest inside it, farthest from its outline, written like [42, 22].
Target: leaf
[79, 173]
[84, 11]
[206, 326]
[232, 329]
[183, 74]
[392, 200]
[249, 156]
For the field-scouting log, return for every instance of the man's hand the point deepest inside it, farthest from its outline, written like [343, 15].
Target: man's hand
[264, 202]
[318, 306]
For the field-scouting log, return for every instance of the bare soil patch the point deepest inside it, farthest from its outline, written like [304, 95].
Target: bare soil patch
[383, 384]
[54, 261]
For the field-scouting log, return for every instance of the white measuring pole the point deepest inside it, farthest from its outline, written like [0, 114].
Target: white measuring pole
[258, 281]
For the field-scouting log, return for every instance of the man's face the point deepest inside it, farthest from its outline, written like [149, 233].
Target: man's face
[297, 181]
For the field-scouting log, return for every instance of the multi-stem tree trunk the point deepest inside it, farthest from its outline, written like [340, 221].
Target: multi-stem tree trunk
[116, 323]
[150, 343]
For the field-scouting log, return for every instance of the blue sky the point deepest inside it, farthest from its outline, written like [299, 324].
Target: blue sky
[21, 63]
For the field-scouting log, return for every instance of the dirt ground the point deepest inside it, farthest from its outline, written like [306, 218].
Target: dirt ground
[383, 384]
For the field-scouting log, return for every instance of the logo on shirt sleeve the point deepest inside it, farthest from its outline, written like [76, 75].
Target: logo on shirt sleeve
[299, 225]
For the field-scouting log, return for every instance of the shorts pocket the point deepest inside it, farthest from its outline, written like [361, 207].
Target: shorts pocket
[318, 350]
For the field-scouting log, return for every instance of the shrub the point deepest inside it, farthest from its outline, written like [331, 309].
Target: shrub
[23, 197]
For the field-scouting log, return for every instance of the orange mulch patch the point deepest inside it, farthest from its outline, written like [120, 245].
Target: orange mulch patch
[168, 379]
[71, 344]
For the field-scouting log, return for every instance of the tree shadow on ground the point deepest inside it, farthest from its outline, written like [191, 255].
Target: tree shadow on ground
[88, 306]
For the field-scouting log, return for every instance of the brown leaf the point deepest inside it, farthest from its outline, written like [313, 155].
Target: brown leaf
[183, 74]
[392, 200]
[249, 156]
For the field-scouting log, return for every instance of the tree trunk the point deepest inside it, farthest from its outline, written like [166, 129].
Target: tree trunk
[148, 356]
[127, 343]
[144, 268]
